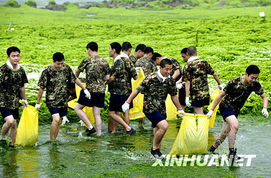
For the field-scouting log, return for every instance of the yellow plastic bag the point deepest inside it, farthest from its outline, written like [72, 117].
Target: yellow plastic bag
[137, 111]
[170, 109]
[213, 97]
[87, 110]
[27, 132]
[193, 135]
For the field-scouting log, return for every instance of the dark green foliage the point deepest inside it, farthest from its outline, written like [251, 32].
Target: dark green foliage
[31, 3]
[12, 3]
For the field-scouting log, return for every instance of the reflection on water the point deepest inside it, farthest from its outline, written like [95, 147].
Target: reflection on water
[121, 154]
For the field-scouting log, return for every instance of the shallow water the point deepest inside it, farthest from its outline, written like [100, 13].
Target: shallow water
[122, 155]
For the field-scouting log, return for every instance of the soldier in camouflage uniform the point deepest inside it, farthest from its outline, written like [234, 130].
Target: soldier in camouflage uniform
[55, 79]
[146, 63]
[120, 86]
[232, 98]
[196, 84]
[97, 74]
[155, 88]
[139, 53]
[12, 81]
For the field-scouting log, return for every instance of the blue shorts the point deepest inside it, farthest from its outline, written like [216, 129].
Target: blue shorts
[97, 99]
[155, 117]
[200, 103]
[7, 112]
[61, 111]
[116, 101]
[226, 112]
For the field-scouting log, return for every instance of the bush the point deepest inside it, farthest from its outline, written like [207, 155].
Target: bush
[12, 3]
[31, 3]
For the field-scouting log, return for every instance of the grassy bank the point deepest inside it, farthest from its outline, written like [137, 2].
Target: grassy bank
[230, 39]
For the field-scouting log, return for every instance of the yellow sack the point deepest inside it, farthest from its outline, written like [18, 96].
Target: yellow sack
[170, 109]
[213, 97]
[137, 111]
[87, 110]
[193, 135]
[27, 132]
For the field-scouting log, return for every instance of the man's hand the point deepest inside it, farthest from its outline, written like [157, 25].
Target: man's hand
[221, 86]
[24, 102]
[180, 113]
[64, 120]
[87, 93]
[125, 107]
[265, 112]
[210, 113]
[187, 103]
[179, 85]
[37, 106]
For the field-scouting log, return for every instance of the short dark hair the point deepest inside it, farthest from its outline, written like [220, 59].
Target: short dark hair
[58, 57]
[126, 46]
[148, 50]
[155, 55]
[140, 47]
[12, 49]
[165, 62]
[192, 50]
[184, 50]
[116, 46]
[93, 46]
[252, 69]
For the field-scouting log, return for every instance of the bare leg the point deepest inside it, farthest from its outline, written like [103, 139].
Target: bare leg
[111, 125]
[223, 134]
[98, 120]
[198, 110]
[55, 126]
[233, 124]
[140, 123]
[119, 120]
[126, 118]
[82, 115]
[11, 125]
[159, 134]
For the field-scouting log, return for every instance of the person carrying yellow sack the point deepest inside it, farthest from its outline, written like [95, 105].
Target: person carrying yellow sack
[232, 98]
[12, 81]
[155, 88]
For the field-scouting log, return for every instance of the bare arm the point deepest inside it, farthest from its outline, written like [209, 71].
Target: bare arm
[77, 72]
[39, 95]
[176, 102]
[132, 96]
[218, 99]
[23, 95]
[265, 101]
[79, 83]
[187, 88]
[176, 74]
[216, 78]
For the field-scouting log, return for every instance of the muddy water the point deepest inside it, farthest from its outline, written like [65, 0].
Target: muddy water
[121, 155]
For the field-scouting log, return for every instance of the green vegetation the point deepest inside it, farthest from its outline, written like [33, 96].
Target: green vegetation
[229, 38]
[12, 3]
[31, 3]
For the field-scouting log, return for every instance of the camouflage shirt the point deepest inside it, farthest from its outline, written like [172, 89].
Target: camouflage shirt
[10, 83]
[133, 58]
[155, 92]
[55, 82]
[147, 65]
[123, 70]
[96, 69]
[175, 66]
[196, 72]
[237, 93]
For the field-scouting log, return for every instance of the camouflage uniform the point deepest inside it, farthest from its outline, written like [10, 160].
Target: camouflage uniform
[10, 83]
[133, 58]
[175, 66]
[124, 71]
[155, 93]
[237, 93]
[55, 82]
[148, 65]
[96, 69]
[196, 72]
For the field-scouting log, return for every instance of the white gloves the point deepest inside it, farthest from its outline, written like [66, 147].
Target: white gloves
[187, 103]
[137, 70]
[125, 107]
[24, 102]
[210, 113]
[87, 93]
[221, 86]
[37, 106]
[265, 112]
[179, 85]
[180, 113]
[64, 120]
